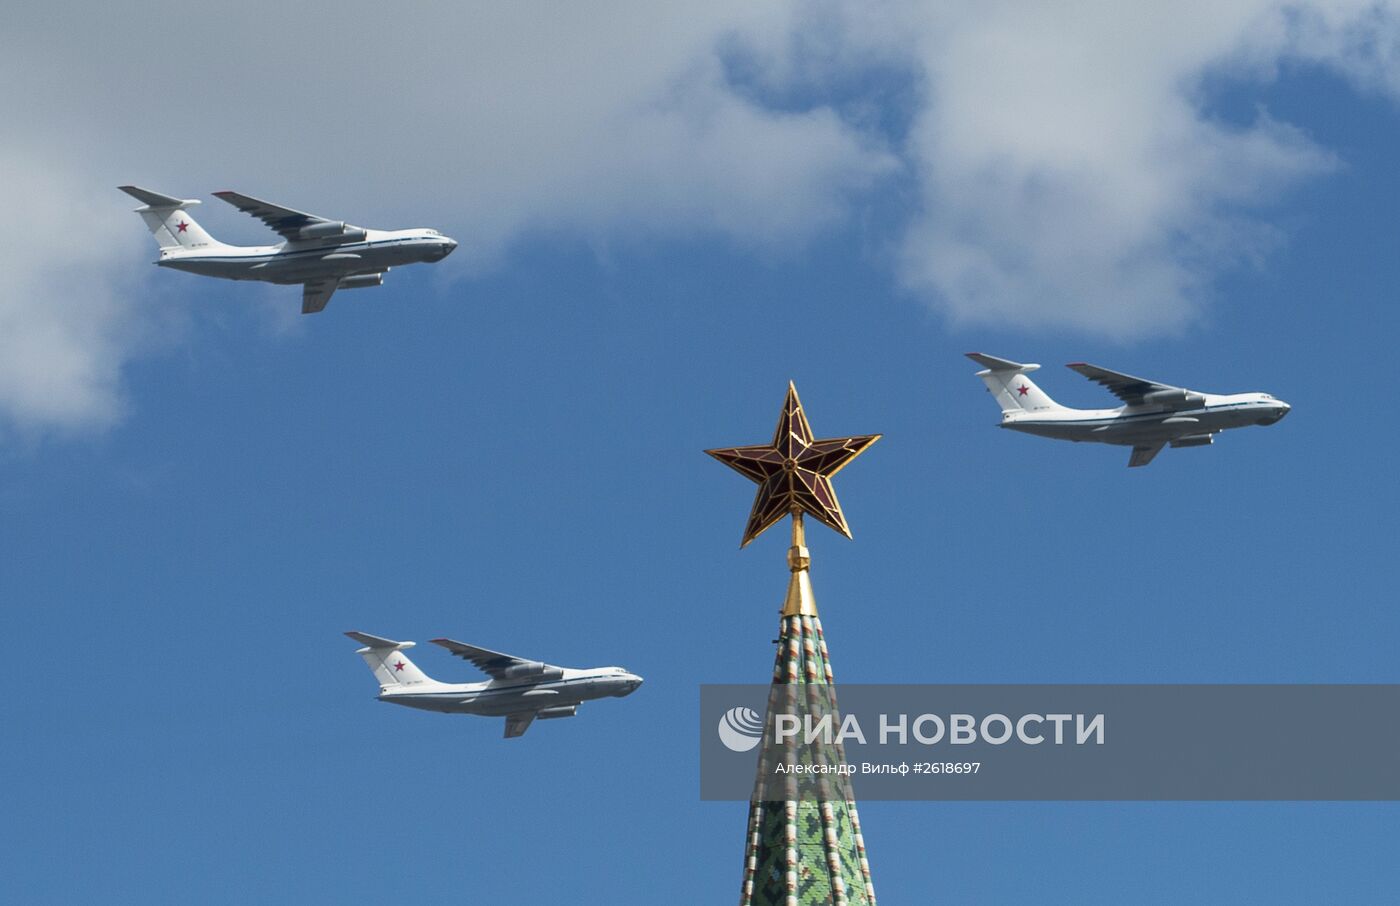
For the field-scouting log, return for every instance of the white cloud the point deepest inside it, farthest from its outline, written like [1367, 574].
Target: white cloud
[1066, 169]
[1068, 175]
[1066, 172]
[64, 329]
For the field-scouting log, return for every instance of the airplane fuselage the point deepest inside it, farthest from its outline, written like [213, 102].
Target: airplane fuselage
[1152, 424]
[304, 260]
[497, 698]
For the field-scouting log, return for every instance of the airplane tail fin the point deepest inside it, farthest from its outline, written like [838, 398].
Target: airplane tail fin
[385, 657]
[1007, 381]
[169, 222]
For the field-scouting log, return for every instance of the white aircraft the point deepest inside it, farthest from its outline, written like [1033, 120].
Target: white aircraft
[322, 255]
[519, 690]
[1153, 414]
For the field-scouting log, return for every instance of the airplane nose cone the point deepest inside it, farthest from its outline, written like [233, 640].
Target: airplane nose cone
[445, 247]
[1279, 411]
[633, 681]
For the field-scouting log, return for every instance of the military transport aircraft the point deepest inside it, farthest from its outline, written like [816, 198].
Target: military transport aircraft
[519, 690]
[1153, 414]
[322, 255]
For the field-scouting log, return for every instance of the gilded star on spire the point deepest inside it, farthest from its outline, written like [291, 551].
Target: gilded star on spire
[794, 471]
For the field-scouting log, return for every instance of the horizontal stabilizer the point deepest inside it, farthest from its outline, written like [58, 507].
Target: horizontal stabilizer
[171, 226]
[995, 364]
[1007, 382]
[374, 641]
[155, 199]
[385, 658]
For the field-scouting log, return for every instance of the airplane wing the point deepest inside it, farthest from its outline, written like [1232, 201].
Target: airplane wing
[286, 221]
[1142, 455]
[493, 663]
[518, 723]
[316, 293]
[1127, 388]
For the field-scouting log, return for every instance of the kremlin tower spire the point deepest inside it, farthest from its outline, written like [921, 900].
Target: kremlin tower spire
[805, 848]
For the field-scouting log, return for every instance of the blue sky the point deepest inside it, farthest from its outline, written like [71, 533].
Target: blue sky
[201, 489]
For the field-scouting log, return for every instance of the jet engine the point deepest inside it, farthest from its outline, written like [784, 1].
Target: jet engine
[332, 229]
[1194, 440]
[1176, 396]
[561, 711]
[360, 281]
[533, 669]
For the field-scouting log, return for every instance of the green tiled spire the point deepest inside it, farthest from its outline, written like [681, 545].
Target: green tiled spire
[806, 850]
